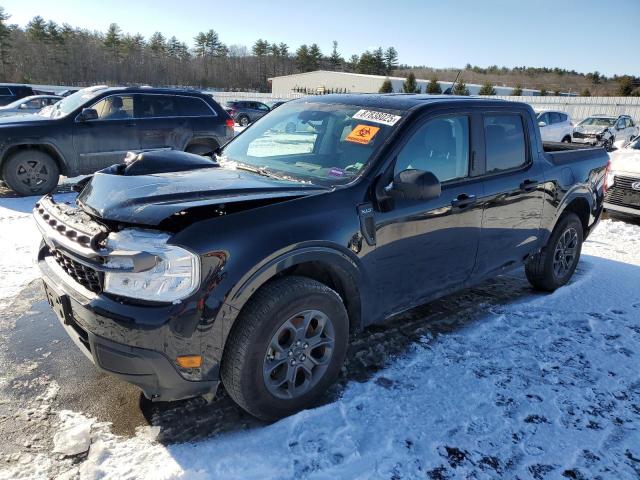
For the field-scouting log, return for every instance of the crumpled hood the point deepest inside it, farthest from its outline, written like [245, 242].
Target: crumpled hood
[625, 160]
[592, 129]
[149, 199]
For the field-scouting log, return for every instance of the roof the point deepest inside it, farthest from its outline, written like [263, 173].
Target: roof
[397, 101]
[145, 89]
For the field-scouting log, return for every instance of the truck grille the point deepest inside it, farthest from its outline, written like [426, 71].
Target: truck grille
[86, 276]
[622, 194]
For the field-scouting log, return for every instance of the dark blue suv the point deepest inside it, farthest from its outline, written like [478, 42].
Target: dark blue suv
[95, 127]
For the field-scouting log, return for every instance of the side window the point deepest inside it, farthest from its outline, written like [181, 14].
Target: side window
[564, 117]
[154, 106]
[505, 142]
[555, 118]
[621, 124]
[544, 118]
[194, 107]
[262, 106]
[629, 122]
[440, 146]
[114, 107]
[5, 92]
[35, 103]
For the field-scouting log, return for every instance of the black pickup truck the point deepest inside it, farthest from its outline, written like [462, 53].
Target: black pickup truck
[176, 272]
[95, 127]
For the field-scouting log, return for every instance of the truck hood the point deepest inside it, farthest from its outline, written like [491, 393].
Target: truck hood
[626, 160]
[150, 199]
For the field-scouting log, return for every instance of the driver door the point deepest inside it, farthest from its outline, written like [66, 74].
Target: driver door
[425, 247]
[105, 141]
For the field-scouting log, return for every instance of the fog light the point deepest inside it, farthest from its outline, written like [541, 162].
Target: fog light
[189, 361]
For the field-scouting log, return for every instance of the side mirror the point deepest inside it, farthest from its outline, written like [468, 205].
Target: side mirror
[415, 185]
[24, 106]
[542, 124]
[88, 114]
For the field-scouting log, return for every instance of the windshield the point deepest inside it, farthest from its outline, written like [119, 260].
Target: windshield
[68, 104]
[599, 121]
[323, 143]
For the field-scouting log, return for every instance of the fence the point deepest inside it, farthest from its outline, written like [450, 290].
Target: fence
[578, 108]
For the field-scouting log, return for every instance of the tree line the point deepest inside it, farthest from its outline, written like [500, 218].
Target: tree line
[44, 52]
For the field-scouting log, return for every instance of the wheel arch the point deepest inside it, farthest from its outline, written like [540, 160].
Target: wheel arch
[47, 148]
[202, 143]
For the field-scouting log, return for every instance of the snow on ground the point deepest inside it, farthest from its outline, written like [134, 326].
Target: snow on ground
[545, 387]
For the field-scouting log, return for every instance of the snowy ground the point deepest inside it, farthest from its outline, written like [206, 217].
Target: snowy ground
[494, 382]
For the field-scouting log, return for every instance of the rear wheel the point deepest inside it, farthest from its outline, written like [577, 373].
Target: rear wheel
[31, 172]
[286, 348]
[554, 266]
[243, 120]
[566, 139]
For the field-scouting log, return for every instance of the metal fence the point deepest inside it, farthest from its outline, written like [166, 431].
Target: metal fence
[578, 108]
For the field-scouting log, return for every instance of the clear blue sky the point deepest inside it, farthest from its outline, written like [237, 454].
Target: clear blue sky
[585, 35]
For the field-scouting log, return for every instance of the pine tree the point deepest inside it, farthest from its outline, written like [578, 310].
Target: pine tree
[487, 89]
[5, 43]
[410, 85]
[386, 87]
[335, 59]
[303, 62]
[112, 41]
[625, 86]
[460, 88]
[433, 87]
[517, 92]
[315, 55]
[390, 60]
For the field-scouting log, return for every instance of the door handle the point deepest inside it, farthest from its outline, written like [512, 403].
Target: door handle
[463, 201]
[529, 185]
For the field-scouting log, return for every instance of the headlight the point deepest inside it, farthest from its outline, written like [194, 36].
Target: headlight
[611, 179]
[142, 265]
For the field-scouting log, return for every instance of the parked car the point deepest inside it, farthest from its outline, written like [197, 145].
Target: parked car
[10, 92]
[623, 181]
[97, 126]
[555, 126]
[253, 270]
[273, 105]
[28, 105]
[605, 130]
[67, 92]
[246, 112]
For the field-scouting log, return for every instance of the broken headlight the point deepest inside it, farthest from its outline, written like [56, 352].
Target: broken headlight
[140, 264]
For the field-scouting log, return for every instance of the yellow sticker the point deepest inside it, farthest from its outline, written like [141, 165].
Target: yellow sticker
[362, 134]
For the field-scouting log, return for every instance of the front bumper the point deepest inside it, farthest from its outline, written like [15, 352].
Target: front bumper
[85, 318]
[630, 211]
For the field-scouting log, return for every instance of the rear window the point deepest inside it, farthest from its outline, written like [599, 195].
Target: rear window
[5, 92]
[505, 142]
[194, 107]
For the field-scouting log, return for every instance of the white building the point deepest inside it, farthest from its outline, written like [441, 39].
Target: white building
[322, 81]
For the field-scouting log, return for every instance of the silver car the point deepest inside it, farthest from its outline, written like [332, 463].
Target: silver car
[27, 105]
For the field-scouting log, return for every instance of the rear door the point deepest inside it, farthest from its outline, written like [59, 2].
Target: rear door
[203, 119]
[104, 141]
[160, 123]
[428, 246]
[513, 194]
[546, 129]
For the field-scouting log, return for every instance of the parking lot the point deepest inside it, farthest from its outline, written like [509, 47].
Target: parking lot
[479, 384]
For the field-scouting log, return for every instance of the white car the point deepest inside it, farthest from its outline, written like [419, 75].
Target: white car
[28, 105]
[555, 126]
[605, 130]
[623, 180]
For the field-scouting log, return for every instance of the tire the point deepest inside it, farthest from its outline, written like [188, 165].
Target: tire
[566, 139]
[31, 172]
[547, 271]
[272, 383]
[243, 120]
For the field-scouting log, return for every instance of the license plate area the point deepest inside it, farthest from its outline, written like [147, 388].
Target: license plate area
[631, 198]
[59, 303]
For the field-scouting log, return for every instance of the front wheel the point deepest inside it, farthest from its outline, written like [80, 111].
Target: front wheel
[554, 266]
[31, 172]
[566, 139]
[286, 348]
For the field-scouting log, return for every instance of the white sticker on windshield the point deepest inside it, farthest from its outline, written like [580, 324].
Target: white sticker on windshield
[377, 117]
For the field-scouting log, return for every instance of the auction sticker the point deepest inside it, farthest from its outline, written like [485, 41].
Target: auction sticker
[362, 134]
[377, 117]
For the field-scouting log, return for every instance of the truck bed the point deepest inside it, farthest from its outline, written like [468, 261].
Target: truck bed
[564, 153]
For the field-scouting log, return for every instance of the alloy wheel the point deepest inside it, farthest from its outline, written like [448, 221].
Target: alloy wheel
[32, 173]
[298, 354]
[565, 253]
